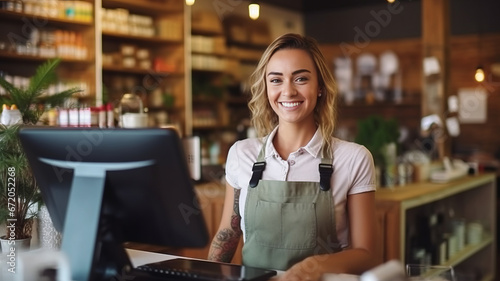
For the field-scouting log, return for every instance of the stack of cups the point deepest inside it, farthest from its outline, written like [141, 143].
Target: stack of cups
[459, 233]
[474, 232]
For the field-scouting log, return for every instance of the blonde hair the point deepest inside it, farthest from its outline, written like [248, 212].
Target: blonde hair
[264, 119]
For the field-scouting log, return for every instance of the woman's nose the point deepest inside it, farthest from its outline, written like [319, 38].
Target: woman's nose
[288, 89]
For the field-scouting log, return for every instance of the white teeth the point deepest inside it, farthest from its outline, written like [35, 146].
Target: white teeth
[290, 104]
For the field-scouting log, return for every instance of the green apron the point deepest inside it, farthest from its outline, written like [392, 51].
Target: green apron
[286, 222]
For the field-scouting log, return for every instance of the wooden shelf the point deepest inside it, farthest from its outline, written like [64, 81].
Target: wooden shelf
[206, 32]
[37, 59]
[168, 51]
[72, 70]
[152, 40]
[461, 256]
[144, 6]
[468, 251]
[163, 46]
[472, 198]
[209, 54]
[61, 22]
[420, 193]
[125, 70]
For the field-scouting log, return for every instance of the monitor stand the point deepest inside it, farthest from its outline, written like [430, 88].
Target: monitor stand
[89, 240]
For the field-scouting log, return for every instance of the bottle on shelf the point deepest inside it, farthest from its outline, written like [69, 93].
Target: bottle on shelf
[110, 115]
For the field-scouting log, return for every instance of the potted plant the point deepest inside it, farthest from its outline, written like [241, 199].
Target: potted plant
[380, 137]
[19, 194]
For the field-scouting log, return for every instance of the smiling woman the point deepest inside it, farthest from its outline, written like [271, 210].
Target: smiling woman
[302, 199]
[300, 57]
[292, 88]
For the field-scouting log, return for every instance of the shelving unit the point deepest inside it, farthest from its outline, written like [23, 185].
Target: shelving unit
[224, 54]
[30, 36]
[153, 27]
[143, 53]
[215, 73]
[472, 199]
[209, 72]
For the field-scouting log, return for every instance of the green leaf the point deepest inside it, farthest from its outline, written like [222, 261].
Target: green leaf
[7, 85]
[375, 132]
[61, 97]
[30, 101]
[45, 76]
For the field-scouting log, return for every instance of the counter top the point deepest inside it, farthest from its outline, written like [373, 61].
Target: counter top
[435, 190]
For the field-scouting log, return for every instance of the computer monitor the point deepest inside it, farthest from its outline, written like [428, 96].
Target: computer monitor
[104, 187]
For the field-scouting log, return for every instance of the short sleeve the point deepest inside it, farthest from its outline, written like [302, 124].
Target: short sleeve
[363, 172]
[232, 166]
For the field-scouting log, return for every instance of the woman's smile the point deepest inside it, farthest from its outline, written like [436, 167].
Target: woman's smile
[291, 105]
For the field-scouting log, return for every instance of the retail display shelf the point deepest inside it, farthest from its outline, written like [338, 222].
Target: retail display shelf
[143, 39]
[43, 19]
[158, 7]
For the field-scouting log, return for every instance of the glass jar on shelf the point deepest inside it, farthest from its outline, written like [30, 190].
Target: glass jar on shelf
[132, 113]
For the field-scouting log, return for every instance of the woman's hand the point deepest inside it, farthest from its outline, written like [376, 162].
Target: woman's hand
[306, 270]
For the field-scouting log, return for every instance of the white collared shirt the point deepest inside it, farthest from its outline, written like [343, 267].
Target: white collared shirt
[353, 171]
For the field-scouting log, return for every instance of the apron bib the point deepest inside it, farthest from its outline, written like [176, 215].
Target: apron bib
[286, 222]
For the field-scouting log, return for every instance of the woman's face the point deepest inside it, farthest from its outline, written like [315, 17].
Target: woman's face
[292, 86]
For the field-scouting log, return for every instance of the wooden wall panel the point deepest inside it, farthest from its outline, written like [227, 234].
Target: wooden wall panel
[409, 52]
[466, 53]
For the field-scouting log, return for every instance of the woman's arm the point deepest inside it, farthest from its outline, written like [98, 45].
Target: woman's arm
[228, 235]
[358, 258]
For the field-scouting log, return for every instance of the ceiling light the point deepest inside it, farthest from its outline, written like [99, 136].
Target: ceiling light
[190, 2]
[479, 76]
[253, 10]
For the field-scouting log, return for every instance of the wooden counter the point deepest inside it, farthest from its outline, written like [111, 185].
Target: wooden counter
[472, 198]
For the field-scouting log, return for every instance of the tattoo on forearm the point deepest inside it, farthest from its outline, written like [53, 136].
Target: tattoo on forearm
[226, 240]
[224, 245]
[235, 223]
[236, 206]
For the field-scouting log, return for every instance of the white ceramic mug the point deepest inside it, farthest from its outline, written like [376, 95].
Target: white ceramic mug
[134, 120]
[33, 264]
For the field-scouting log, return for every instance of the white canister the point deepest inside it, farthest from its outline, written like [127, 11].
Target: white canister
[475, 232]
[132, 112]
[134, 120]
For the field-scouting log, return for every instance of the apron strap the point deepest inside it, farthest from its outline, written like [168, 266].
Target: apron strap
[258, 167]
[325, 169]
[325, 174]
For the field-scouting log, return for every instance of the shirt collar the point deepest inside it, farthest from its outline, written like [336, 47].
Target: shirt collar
[313, 147]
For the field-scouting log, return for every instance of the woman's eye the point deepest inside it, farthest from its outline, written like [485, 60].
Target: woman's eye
[274, 80]
[301, 79]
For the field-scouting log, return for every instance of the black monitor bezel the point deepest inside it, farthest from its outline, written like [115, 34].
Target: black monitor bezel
[157, 212]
